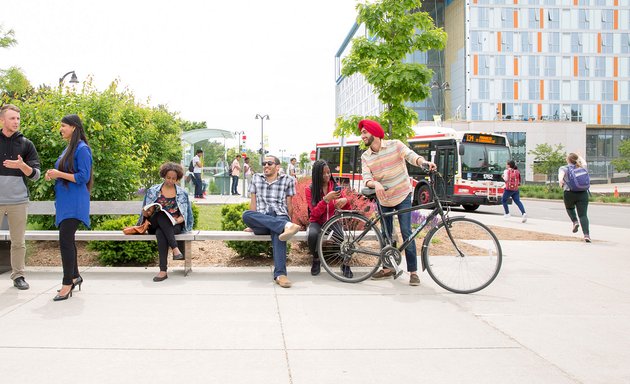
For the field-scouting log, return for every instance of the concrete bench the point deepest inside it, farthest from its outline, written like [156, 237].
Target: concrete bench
[132, 208]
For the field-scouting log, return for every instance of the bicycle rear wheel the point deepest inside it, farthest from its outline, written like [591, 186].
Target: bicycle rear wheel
[348, 252]
[471, 271]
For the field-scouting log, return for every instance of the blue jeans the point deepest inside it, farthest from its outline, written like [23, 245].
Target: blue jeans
[404, 220]
[198, 185]
[234, 185]
[270, 224]
[516, 197]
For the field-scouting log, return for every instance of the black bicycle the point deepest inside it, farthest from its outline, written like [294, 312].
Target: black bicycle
[460, 254]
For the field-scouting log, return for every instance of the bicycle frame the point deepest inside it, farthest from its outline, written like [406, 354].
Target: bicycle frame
[438, 210]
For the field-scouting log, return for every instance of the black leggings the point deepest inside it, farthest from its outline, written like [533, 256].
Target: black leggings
[165, 233]
[579, 200]
[68, 248]
[313, 233]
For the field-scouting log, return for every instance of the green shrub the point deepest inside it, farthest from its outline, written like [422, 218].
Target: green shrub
[123, 252]
[195, 211]
[232, 220]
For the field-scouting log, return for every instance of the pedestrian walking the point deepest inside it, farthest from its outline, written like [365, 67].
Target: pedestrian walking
[512, 178]
[575, 181]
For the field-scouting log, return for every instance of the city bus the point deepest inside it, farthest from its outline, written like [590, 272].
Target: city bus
[472, 164]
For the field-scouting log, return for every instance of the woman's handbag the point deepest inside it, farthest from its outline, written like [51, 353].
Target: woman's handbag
[137, 229]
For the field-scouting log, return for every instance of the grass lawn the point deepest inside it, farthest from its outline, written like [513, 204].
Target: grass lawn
[210, 217]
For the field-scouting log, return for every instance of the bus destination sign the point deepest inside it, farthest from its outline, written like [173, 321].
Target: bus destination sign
[483, 139]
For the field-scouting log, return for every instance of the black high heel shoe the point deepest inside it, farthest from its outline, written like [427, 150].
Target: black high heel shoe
[78, 282]
[63, 297]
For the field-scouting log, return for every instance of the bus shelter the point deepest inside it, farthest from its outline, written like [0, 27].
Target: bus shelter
[217, 172]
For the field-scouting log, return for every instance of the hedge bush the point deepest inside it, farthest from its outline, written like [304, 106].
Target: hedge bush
[123, 252]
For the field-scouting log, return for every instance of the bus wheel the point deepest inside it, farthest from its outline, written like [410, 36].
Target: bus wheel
[470, 207]
[424, 195]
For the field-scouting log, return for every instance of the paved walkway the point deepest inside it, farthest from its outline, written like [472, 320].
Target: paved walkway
[559, 312]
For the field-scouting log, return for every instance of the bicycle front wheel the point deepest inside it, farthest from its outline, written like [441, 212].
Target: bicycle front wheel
[348, 251]
[467, 261]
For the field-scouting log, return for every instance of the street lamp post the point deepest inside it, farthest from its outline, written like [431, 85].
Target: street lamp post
[240, 134]
[73, 78]
[445, 86]
[262, 137]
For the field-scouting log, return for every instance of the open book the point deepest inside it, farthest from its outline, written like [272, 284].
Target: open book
[152, 207]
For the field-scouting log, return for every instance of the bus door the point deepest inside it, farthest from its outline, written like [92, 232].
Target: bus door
[446, 161]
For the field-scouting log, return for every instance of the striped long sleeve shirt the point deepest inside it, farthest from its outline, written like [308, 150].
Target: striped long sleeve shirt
[387, 166]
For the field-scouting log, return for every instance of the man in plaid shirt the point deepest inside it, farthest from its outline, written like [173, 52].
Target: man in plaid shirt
[270, 213]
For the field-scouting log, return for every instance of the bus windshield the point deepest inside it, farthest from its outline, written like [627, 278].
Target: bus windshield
[484, 158]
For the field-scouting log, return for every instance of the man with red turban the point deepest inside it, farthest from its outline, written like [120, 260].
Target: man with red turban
[383, 166]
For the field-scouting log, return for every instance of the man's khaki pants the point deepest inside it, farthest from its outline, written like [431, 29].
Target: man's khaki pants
[16, 216]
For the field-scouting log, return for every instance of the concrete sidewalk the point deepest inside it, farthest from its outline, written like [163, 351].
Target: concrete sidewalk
[559, 312]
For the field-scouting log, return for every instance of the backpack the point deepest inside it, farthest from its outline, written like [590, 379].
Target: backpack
[578, 179]
[191, 167]
[513, 180]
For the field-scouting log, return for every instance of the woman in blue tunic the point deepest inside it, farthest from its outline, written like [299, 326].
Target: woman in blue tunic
[73, 182]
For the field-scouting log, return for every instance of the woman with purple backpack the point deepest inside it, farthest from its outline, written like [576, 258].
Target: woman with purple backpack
[574, 180]
[512, 178]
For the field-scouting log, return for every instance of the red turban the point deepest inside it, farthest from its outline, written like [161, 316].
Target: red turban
[372, 127]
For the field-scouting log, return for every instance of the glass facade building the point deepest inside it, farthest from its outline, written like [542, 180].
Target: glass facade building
[532, 60]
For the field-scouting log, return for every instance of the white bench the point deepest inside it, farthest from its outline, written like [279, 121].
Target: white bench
[133, 208]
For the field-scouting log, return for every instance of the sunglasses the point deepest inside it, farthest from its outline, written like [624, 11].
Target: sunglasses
[269, 163]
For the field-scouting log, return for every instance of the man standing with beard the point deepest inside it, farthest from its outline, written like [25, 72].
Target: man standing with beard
[18, 162]
[383, 166]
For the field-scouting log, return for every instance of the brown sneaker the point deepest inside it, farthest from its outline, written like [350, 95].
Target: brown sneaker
[283, 281]
[289, 230]
[383, 274]
[414, 280]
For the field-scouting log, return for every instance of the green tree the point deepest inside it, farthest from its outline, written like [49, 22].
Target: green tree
[14, 84]
[397, 28]
[622, 163]
[7, 37]
[304, 160]
[191, 125]
[548, 159]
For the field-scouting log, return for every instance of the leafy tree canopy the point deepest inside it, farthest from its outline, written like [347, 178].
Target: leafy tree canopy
[397, 28]
[622, 163]
[548, 159]
[7, 37]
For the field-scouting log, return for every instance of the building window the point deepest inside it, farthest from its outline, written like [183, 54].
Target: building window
[550, 65]
[576, 112]
[476, 41]
[483, 20]
[625, 43]
[576, 43]
[526, 42]
[583, 19]
[607, 114]
[475, 111]
[591, 144]
[607, 42]
[527, 112]
[534, 18]
[499, 65]
[600, 66]
[583, 91]
[553, 18]
[507, 17]
[554, 89]
[583, 66]
[534, 66]
[484, 89]
[607, 19]
[534, 89]
[484, 65]
[508, 90]
[554, 112]
[625, 114]
[607, 90]
[507, 40]
[554, 41]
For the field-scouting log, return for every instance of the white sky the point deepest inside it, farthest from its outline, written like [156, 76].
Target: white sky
[216, 61]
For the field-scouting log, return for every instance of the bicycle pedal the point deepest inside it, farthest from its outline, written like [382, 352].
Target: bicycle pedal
[397, 274]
